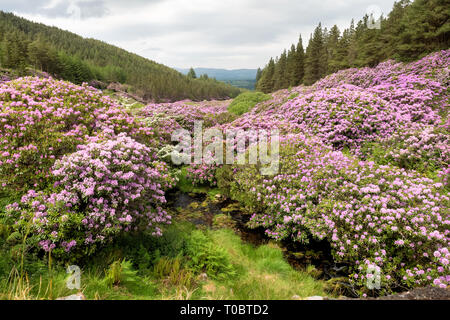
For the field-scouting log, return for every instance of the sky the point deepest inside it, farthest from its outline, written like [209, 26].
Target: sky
[229, 34]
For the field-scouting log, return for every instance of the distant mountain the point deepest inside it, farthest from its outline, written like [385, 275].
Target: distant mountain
[242, 78]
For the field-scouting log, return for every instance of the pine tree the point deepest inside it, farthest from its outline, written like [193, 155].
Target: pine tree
[40, 55]
[425, 27]
[370, 45]
[413, 29]
[316, 57]
[191, 74]
[15, 48]
[281, 81]
[300, 62]
[392, 28]
[332, 44]
[290, 66]
[258, 75]
[266, 83]
[352, 48]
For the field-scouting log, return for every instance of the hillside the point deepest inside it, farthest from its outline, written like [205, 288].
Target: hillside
[69, 56]
[362, 187]
[241, 78]
[223, 74]
[333, 183]
[412, 30]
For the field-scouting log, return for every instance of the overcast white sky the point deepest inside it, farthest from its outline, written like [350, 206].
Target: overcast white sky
[227, 34]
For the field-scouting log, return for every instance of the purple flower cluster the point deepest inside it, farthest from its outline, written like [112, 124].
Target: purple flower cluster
[168, 117]
[203, 174]
[43, 119]
[422, 148]
[371, 214]
[105, 188]
[389, 215]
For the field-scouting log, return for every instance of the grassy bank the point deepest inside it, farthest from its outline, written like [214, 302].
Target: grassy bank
[185, 263]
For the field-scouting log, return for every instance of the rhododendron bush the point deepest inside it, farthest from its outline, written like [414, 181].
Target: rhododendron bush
[390, 214]
[422, 148]
[165, 118]
[202, 174]
[86, 167]
[105, 188]
[372, 215]
[43, 119]
[364, 165]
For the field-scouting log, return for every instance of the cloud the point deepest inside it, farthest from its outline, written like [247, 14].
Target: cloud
[199, 33]
[79, 9]
[23, 6]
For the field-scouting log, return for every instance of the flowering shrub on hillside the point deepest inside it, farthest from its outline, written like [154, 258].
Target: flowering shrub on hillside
[202, 174]
[422, 148]
[431, 67]
[355, 107]
[370, 214]
[364, 165]
[43, 119]
[103, 189]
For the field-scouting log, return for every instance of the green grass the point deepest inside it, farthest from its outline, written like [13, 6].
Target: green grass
[141, 267]
[247, 101]
[263, 273]
[186, 186]
[259, 273]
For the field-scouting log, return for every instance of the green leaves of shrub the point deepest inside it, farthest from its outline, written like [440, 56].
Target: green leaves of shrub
[246, 101]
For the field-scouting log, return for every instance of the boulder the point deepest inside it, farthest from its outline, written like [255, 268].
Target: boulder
[315, 298]
[117, 87]
[78, 296]
[98, 84]
[203, 277]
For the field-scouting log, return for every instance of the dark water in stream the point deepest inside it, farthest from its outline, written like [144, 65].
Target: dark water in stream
[200, 210]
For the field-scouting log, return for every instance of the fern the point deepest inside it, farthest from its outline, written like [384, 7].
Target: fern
[120, 272]
[207, 257]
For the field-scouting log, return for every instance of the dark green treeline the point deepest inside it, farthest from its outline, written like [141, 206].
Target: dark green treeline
[25, 44]
[411, 31]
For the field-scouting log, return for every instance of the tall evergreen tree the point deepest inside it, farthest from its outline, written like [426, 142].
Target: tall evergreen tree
[426, 28]
[316, 57]
[392, 27]
[15, 47]
[343, 47]
[42, 56]
[300, 62]
[411, 30]
[266, 83]
[370, 45]
[332, 44]
[280, 79]
[291, 66]
[258, 75]
[352, 46]
[191, 74]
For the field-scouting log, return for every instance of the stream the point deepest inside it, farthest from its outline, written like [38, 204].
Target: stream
[219, 212]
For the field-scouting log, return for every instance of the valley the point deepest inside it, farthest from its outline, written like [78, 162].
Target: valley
[322, 176]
